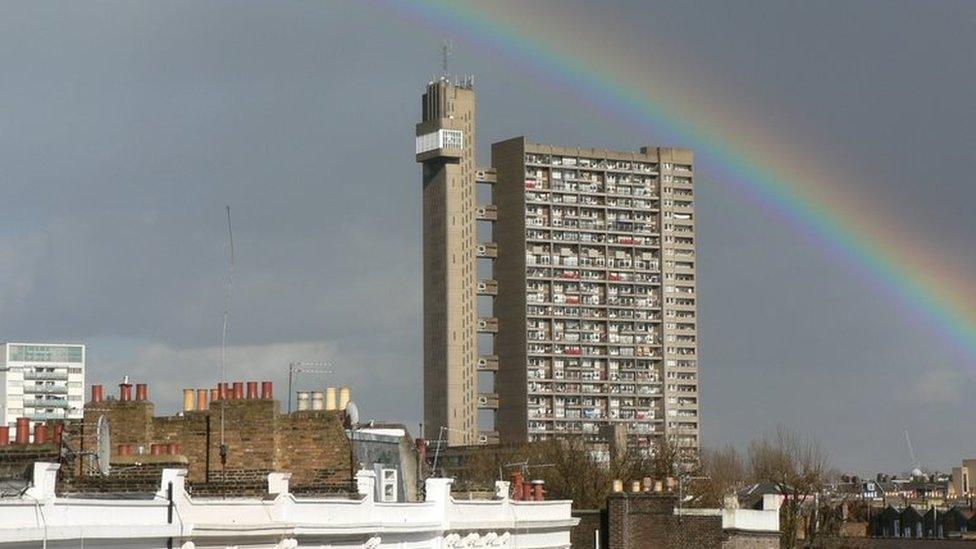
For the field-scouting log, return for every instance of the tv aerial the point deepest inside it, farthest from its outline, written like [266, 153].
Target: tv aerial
[102, 433]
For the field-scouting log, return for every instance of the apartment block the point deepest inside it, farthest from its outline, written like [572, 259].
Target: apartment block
[597, 294]
[591, 282]
[41, 381]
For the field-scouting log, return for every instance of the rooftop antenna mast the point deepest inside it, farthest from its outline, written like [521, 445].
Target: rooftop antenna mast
[911, 450]
[223, 334]
[447, 50]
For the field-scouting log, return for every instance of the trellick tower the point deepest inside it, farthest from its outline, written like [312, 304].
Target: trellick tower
[446, 149]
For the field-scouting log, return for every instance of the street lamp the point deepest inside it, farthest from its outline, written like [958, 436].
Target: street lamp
[305, 367]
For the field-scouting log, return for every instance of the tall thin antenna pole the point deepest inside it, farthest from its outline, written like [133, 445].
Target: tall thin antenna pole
[223, 335]
[446, 51]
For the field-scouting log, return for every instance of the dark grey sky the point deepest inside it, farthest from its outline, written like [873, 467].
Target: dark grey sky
[125, 127]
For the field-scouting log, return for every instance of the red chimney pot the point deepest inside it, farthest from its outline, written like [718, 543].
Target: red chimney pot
[267, 390]
[23, 430]
[252, 390]
[125, 391]
[97, 393]
[40, 433]
[142, 392]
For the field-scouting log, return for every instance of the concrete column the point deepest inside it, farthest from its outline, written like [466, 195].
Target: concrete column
[366, 483]
[501, 489]
[278, 483]
[45, 481]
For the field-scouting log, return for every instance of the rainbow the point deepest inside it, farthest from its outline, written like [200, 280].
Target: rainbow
[779, 177]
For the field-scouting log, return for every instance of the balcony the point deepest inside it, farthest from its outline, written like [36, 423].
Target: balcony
[488, 363]
[487, 249]
[45, 402]
[487, 213]
[46, 376]
[487, 401]
[45, 389]
[488, 287]
[488, 325]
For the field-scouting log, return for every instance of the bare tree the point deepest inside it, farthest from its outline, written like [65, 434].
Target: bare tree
[797, 466]
[723, 473]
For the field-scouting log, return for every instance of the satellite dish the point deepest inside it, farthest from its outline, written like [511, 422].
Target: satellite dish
[352, 413]
[104, 445]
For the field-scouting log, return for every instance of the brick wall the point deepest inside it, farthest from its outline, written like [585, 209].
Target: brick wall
[312, 445]
[17, 460]
[647, 521]
[582, 535]
[738, 539]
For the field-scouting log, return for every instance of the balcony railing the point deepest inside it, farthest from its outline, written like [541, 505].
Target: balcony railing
[46, 376]
[45, 388]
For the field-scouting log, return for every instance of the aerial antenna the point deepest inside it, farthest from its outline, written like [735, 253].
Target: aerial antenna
[223, 334]
[447, 50]
[911, 450]
[103, 454]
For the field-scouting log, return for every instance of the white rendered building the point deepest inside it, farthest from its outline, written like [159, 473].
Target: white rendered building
[173, 518]
[41, 381]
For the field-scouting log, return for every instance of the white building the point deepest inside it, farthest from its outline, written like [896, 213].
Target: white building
[41, 381]
[37, 517]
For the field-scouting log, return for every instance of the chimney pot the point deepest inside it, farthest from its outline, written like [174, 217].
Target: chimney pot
[267, 390]
[23, 430]
[4, 435]
[252, 390]
[189, 400]
[238, 390]
[40, 433]
[142, 392]
[125, 390]
[202, 400]
[97, 393]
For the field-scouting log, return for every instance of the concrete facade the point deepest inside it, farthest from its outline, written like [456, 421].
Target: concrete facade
[592, 287]
[446, 149]
[41, 381]
[597, 297]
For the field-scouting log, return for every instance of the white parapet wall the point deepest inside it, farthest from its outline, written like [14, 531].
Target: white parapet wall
[171, 518]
